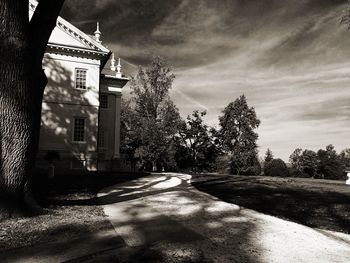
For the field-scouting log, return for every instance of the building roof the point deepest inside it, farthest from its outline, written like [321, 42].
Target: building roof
[68, 39]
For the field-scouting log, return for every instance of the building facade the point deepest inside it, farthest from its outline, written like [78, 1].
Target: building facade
[80, 124]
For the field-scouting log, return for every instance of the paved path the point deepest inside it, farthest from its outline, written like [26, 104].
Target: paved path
[164, 216]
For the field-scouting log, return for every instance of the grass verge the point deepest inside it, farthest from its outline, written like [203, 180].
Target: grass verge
[316, 203]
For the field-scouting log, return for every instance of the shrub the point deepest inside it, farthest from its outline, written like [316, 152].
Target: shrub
[252, 170]
[276, 167]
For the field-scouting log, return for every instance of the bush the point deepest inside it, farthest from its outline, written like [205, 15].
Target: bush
[276, 167]
[296, 173]
[223, 164]
[252, 170]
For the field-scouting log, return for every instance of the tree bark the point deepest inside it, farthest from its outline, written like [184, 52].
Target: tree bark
[22, 83]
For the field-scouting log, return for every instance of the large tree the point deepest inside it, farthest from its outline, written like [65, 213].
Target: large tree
[22, 83]
[199, 149]
[151, 118]
[345, 157]
[329, 164]
[237, 134]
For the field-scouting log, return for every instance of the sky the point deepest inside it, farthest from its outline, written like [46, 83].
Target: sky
[290, 58]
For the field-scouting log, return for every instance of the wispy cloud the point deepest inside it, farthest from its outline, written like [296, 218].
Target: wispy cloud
[290, 58]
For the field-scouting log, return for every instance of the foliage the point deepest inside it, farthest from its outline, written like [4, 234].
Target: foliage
[236, 135]
[309, 163]
[296, 160]
[276, 167]
[268, 156]
[129, 123]
[330, 165]
[323, 164]
[345, 157]
[196, 144]
[150, 120]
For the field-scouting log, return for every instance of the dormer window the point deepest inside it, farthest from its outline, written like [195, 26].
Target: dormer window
[80, 78]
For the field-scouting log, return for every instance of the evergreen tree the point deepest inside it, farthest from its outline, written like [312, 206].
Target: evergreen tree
[268, 156]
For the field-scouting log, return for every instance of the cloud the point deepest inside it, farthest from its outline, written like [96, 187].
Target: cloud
[290, 58]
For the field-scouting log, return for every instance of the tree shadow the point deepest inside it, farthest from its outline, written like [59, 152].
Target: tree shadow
[311, 203]
[158, 219]
[163, 213]
[62, 103]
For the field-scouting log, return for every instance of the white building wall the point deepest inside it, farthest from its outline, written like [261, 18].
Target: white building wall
[62, 103]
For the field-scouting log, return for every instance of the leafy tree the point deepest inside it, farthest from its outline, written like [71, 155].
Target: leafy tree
[151, 88]
[236, 134]
[268, 156]
[151, 119]
[196, 138]
[309, 162]
[345, 19]
[304, 163]
[296, 161]
[129, 137]
[276, 167]
[345, 157]
[330, 165]
[22, 82]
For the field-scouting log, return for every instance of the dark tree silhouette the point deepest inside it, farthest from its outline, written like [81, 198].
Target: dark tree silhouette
[22, 82]
[268, 156]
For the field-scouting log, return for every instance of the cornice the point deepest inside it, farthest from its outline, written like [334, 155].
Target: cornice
[74, 32]
[75, 51]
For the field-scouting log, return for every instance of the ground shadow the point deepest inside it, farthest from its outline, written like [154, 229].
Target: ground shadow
[313, 203]
[190, 228]
[175, 217]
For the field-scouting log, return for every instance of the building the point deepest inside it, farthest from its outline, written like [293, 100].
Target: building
[80, 124]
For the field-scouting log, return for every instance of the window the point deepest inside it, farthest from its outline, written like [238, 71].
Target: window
[80, 78]
[104, 101]
[79, 130]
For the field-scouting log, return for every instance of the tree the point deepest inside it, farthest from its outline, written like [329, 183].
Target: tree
[236, 134]
[345, 157]
[304, 163]
[199, 147]
[268, 156]
[129, 137]
[330, 165]
[296, 161]
[309, 162]
[153, 117]
[22, 83]
[345, 19]
[276, 167]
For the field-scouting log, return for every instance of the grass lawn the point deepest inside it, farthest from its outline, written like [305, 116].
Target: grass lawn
[70, 210]
[316, 203]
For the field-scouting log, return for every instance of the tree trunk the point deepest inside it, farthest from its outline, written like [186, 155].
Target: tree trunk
[154, 166]
[22, 83]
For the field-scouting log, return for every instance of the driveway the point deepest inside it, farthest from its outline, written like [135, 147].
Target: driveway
[170, 221]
